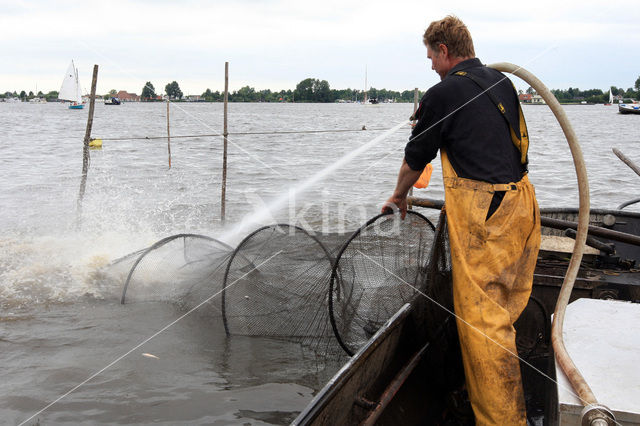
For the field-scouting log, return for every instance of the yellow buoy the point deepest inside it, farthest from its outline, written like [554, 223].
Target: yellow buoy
[95, 143]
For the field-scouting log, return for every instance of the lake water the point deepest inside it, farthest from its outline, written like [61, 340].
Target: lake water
[58, 326]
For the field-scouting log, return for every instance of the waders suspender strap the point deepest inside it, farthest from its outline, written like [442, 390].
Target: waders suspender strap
[522, 142]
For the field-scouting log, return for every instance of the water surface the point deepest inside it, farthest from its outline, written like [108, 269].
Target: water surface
[60, 324]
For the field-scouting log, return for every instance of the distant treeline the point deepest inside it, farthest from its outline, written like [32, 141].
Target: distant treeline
[309, 90]
[314, 90]
[595, 96]
[51, 96]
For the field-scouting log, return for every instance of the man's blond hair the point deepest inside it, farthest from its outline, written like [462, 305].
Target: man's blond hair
[453, 33]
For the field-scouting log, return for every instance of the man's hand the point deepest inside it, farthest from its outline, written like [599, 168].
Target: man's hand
[394, 204]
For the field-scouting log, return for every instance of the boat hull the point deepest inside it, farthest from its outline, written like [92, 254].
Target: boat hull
[411, 372]
[76, 106]
[628, 109]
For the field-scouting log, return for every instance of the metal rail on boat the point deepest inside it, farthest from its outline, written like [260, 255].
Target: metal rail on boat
[548, 222]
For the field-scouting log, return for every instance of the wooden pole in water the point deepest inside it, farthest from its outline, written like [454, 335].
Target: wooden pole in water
[413, 123]
[225, 133]
[168, 134]
[626, 161]
[85, 148]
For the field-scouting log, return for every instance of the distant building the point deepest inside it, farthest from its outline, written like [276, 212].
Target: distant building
[537, 99]
[525, 98]
[194, 98]
[124, 96]
[152, 98]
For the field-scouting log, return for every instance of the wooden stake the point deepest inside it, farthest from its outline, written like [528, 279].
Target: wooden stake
[626, 161]
[85, 148]
[415, 108]
[225, 133]
[168, 134]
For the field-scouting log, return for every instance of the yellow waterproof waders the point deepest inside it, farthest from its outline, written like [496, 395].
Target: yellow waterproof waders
[493, 262]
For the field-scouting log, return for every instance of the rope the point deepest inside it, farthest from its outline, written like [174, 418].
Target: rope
[292, 132]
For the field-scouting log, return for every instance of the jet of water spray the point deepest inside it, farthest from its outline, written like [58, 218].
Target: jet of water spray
[255, 217]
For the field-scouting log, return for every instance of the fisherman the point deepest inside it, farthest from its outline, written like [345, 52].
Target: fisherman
[474, 118]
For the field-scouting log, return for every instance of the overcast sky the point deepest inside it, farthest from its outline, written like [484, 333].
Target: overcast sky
[274, 44]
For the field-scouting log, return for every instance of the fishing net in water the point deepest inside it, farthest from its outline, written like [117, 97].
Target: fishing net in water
[329, 292]
[276, 285]
[379, 268]
[174, 268]
[434, 283]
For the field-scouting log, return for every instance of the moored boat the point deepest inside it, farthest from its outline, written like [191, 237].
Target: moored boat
[629, 109]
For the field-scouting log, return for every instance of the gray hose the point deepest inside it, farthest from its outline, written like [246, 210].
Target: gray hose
[628, 203]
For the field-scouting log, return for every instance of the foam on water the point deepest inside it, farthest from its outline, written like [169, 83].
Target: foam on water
[61, 268]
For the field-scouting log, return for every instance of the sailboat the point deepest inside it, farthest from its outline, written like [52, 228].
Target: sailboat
[610, 98]
[365, 85]
[71, 90]
[370, 100]
[37, 99]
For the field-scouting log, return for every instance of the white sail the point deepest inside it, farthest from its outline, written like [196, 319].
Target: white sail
[78, 89]
[70, 90]
[610, 97]
[365, 85]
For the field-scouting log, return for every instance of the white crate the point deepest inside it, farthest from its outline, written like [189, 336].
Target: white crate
[603, 339]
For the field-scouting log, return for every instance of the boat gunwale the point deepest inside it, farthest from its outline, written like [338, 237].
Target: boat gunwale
[342, 377]
[573, 210]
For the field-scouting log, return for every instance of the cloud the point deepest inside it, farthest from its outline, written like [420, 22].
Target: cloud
[276, 43]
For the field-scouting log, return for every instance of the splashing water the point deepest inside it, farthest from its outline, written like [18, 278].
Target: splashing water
[60, 267]
[230, 237]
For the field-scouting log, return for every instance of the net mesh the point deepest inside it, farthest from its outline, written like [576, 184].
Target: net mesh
[436, 285]
[176, 268]
[276, 286]
[379, 269]
[328, 292]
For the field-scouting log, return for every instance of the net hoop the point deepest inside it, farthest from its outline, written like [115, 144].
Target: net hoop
[244, 242]
[336, 276]
[157, 245]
